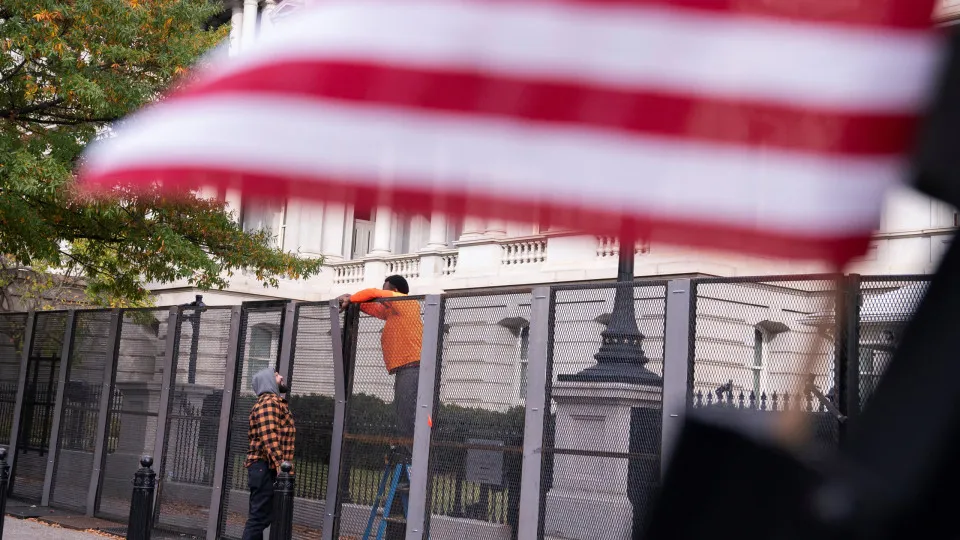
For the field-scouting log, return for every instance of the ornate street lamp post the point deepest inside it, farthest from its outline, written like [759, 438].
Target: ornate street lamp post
[621, 357]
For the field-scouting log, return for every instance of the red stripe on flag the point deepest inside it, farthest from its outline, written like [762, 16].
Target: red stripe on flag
[702, 233]
[902, 14]
[744, 123]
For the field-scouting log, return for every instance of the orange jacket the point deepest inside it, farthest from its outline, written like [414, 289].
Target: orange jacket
[402, 336]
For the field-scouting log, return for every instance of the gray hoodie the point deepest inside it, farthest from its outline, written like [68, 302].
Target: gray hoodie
[265, 382]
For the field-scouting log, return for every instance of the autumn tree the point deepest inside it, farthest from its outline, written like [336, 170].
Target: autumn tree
[68, 69]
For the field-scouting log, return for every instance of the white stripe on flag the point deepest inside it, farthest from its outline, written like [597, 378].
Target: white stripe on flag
[687, 52]
[782, 191]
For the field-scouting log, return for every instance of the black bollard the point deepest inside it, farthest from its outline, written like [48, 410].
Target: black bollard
[141, 503]
[282, 527]
[4, 482]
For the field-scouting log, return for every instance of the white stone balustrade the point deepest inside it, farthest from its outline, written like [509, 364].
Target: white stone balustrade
[408, 267]
[350, 272]
[520, 252]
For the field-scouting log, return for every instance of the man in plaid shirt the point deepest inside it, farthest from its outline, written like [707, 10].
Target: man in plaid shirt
[271, 435]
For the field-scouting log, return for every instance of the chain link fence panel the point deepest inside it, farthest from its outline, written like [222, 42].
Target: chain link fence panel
[887, 303]
[86, 367]
[40, 395]
[601, 451]
[476, 448]
[134, 406]
[261, 327]
[12, 329]
[196, 391]
[381, 411]
[311, 402]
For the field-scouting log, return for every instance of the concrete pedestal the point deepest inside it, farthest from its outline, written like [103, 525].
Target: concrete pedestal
[590, 498]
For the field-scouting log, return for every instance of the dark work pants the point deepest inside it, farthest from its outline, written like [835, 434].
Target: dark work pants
[405, 404]
[405, 384]
[260, 478]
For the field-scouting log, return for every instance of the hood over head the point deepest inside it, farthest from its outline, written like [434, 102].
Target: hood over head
[265, 382]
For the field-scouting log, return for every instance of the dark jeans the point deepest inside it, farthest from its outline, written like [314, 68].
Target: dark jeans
[260, 478]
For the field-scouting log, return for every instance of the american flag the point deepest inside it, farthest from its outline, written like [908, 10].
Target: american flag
[771, 127]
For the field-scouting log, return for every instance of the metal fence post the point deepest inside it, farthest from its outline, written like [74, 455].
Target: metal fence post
[282, 526]
[103, 416]
[416, 512]
[223, 431]
[58, 407]
[535, 405]
[287, 338]
[21, 392]
[339, 416]
[847, 351]
[170, 353]
[140, 524]
[4, 481]
[677, 353]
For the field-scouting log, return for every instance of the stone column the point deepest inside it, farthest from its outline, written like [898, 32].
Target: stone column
[438, 232]
[266, 23]
[496, 228]
[381, 232]
[591, 496]
[236, 27]
[473, 228]
[249, 32]
[312, 228]
[334, 228]
[234, 202]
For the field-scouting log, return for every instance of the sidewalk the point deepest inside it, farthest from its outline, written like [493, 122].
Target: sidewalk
[15, 529]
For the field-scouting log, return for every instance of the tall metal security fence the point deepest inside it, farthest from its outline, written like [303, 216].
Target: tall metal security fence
[522, 413]
[134, 406]
[312, 402]
[478, 421]
[886, 304]
[88, 367]
[753, 336]
[601, 449]
[378, 405]
[12, 329]
[261, 325]
[40, 394]
[189, 409]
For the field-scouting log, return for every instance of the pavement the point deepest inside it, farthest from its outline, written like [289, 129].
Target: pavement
[16, 529]
[34, 522]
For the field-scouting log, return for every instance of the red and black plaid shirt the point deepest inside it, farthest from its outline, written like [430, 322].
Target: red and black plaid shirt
[272, 432]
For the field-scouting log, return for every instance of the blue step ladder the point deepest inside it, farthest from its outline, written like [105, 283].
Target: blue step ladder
[393, 472]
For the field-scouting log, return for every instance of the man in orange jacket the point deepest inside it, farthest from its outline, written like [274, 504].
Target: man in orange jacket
[402, 340]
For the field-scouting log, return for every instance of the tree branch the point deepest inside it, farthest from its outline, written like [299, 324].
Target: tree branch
[13, 113]
[13, 72]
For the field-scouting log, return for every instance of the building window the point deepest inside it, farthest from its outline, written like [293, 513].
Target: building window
[759, 355]
[523, 355]
[262, 215]
[260, 351]
[363, 227]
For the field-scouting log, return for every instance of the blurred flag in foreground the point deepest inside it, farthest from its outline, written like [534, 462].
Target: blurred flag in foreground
[768, 127]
